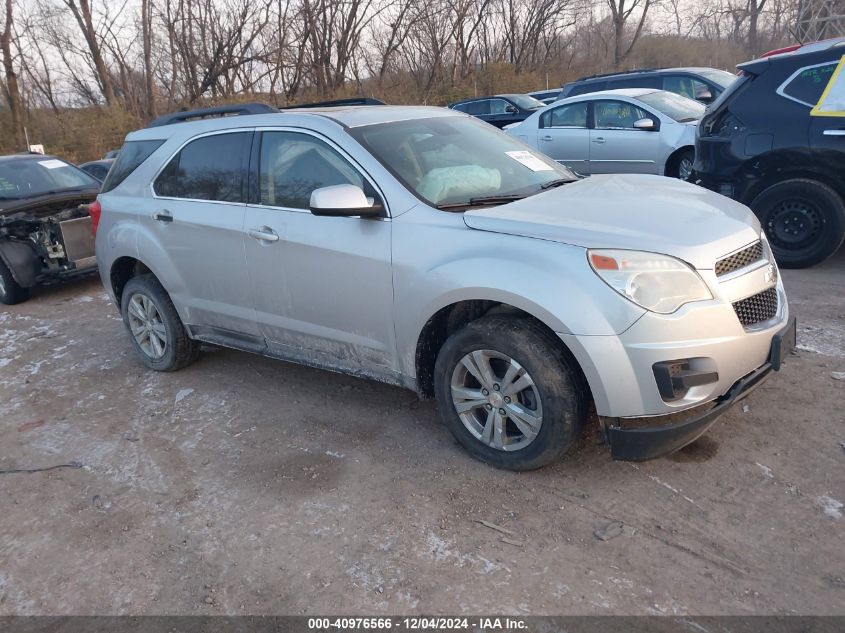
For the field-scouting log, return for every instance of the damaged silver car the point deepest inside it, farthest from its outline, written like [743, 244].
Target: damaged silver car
[45, 228]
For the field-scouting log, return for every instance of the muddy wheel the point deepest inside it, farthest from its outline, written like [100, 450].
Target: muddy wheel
[155, 329]
[11, 292]
[510, 394]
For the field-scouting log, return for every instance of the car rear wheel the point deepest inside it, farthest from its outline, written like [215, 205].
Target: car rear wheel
[11, 292]
[155, 329]
[803, 219]
[509, 393]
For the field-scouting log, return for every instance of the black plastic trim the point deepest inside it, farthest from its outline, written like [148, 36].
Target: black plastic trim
[644, 443]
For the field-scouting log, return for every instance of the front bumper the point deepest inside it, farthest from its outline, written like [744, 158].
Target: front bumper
[653, 441]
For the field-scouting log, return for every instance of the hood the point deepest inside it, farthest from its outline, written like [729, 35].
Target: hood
[638, 212]
[48, 203]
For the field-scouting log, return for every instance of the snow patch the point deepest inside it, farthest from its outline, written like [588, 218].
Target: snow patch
[830, 506]
[182, 394]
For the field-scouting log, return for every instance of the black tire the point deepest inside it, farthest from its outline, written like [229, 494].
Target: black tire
[674, 168]
[558, 381]
[11, 292]
[179, 349]
[803, 219]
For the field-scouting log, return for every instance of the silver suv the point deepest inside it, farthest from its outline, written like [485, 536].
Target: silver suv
[423, 248]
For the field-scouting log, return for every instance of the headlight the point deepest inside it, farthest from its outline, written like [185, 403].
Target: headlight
[656, 282]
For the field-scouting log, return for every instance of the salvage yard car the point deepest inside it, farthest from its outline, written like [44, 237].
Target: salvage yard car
[45, 229]
[634, 130]
[423, 248]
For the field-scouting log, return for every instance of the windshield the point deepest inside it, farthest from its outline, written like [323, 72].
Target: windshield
[456, 160]
[720, 77]
[526, 102]
[675, 106]
[28, 178]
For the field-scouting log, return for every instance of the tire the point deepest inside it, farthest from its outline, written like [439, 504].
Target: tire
[163, 344]
[803, 219]
[678, 168]
[557, 395]
[11, 292]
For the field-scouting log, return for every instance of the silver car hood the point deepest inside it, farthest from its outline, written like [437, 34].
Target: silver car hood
[630, 211]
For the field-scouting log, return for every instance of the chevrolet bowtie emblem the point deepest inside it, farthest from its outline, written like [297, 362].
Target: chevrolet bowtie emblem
[770, 274]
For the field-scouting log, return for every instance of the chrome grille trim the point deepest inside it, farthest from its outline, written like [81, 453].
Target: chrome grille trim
[740, 259]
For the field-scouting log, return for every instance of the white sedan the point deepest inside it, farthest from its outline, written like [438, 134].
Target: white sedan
[633, 130]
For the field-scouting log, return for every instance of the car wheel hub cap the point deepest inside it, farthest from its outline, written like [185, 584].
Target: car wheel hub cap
[685, 169]
[496, 400]
[147, 326]
[794, 224]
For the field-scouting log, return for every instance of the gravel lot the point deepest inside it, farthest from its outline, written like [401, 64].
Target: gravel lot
[247, 485]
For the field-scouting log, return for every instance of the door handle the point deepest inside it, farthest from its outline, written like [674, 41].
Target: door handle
[599, 140]
[834, 132]
[546, 138]
[265, 234]
[163, 216]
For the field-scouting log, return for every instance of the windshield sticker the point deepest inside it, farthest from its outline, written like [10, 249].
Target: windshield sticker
[529, 160]
[53, 163]
[832, 101]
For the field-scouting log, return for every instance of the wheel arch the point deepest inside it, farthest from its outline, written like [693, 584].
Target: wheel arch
[122, 270]
[452, 317]
[675, 157]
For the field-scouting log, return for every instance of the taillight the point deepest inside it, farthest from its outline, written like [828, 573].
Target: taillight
[724, 125]
[95, 209]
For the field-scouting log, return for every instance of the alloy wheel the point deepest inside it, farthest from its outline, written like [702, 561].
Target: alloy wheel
[147, 326]
[497, 400]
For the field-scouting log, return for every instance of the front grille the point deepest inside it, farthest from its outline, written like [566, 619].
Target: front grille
[740, 259]
[757, 308]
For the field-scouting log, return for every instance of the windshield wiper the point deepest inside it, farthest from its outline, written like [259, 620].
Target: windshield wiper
[555, 183]
[481, 201]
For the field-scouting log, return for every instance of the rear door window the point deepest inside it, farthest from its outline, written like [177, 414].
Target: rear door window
[571, 115]
[476, 108]
[208, 168]
[685, 86]
[806, 85]
[128, 160]
[642, 81]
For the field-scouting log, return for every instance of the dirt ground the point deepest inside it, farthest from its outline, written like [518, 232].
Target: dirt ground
[247, 485]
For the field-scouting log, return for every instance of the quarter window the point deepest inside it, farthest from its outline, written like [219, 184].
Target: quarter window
[808, 84]
[572, 115]
[292, 165]
[617, 115]
[208, 168]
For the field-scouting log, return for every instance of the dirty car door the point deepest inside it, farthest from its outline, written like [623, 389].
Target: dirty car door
[196, 217]
[322, 286]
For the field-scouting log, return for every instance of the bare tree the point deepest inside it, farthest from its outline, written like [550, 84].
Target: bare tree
[10, 85]
[620, 13]
[81, 10]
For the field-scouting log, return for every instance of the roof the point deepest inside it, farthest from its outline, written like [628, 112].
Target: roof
[25, 156]
[647, 71]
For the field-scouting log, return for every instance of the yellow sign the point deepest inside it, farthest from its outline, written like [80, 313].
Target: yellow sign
[832, 101]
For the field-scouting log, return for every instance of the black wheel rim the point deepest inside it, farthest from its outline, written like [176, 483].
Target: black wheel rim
[794, 224]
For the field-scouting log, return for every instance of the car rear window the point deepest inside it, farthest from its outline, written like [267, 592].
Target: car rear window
[807, 84]
[131, 155]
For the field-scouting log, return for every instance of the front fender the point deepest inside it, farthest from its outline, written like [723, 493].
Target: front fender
[551, 281]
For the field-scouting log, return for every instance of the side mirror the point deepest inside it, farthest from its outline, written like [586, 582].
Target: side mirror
[705, 96]
[343, 201]
[511, 109]
[644, 124]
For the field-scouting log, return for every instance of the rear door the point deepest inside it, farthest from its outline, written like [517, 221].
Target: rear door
[616, 146]
[564, 136]
[196, 215]
[321, 286]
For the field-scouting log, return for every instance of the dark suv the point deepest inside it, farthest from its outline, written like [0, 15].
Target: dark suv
[500, 110]
[702, 84]
[764, 145]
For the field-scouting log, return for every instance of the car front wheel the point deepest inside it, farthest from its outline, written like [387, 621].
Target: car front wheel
[804, 221]
[156, 331]
[11, 292]
[510, 394]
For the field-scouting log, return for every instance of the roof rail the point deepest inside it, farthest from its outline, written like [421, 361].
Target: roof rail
[355, 101]
[234, 109]
[619, 72]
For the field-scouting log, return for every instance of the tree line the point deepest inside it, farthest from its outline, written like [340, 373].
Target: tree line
[92, 69]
